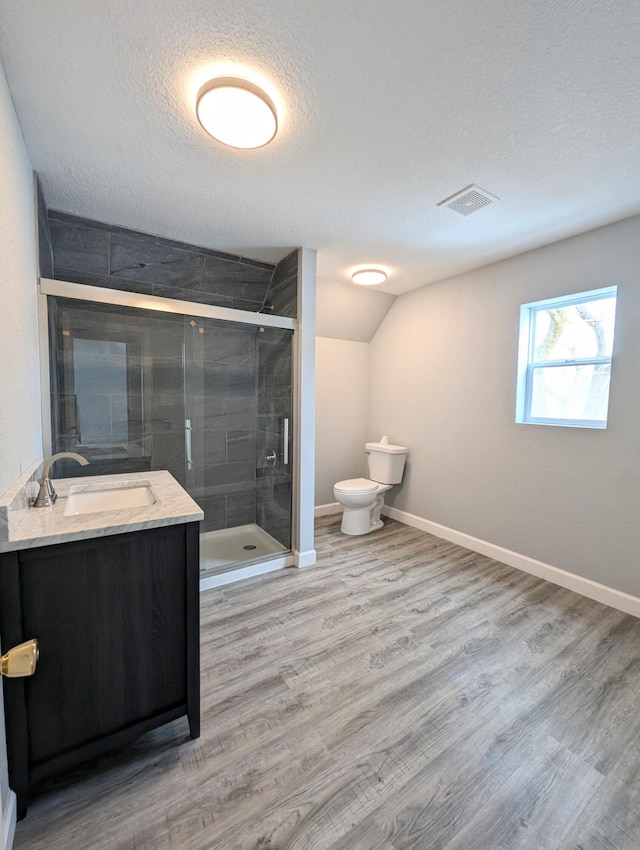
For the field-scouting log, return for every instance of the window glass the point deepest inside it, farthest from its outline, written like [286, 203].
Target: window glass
[577, 330]
[570, 392]
[564, 364]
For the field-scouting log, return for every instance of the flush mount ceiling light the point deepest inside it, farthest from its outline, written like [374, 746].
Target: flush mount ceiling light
[369, 277]
[236, 113]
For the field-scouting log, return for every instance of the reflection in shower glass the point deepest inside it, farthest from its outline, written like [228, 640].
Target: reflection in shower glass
[100, 382]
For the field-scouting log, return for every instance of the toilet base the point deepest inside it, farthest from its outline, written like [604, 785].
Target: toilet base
[349, 526]
[357, 521]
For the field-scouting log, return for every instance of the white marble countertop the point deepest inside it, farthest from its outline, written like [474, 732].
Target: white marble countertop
[27, 527]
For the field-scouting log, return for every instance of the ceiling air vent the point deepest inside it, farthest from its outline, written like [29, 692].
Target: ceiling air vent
[469, 200]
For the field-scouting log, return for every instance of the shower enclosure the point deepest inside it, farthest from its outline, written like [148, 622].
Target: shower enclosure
[135, 389]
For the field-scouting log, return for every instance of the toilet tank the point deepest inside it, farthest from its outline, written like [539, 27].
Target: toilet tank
[386, 461]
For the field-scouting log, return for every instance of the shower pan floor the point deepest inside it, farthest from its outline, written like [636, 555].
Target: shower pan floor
[231, 546]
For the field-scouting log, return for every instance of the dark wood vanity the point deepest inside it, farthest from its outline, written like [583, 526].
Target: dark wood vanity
[117, 623]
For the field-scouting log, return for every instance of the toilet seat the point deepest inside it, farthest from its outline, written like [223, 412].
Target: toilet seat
[362, 486]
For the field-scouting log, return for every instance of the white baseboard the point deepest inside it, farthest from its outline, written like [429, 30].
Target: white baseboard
[584, 586]
[9, 822]
[305, 559]
[326, 510]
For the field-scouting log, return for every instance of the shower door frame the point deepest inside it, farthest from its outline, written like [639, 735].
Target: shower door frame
[122, 298]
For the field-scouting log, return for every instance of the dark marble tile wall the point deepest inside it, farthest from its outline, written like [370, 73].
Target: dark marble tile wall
[164, 416]
[225, 412]
[273, 498]
[45, 250]
[273, 483]
[98, 254]
[283, 290]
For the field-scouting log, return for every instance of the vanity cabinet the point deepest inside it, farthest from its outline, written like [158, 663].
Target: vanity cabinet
[117, 623]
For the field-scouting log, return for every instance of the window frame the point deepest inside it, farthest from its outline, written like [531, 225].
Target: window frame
[527, 364]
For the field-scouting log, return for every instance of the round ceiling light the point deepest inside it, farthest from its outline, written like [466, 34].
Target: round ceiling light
[236, 113]
[369, 277]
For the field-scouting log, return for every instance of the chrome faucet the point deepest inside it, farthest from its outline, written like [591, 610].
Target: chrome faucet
[47, 495]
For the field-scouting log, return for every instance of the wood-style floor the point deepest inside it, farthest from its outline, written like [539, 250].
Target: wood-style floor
[404, 693]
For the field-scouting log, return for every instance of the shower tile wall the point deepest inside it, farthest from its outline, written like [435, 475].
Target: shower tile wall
[283, 290]
[98, 254]
[226, 412]
[45, 251]
[164, 395]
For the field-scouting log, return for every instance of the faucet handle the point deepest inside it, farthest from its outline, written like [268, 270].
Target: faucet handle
[46, 495]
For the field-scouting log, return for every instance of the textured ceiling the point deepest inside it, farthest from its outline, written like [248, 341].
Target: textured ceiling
[384, 108]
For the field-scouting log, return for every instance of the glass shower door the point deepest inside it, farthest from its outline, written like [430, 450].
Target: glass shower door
[275, 433]
[238, 438]
[116, 388]
[207, 399]
[193, 401]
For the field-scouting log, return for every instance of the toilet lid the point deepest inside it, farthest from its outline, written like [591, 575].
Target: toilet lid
[356, 485]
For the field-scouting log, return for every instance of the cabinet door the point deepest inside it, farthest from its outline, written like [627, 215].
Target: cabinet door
[110, 619]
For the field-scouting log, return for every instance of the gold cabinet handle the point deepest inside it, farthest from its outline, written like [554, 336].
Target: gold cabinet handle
[21, 660]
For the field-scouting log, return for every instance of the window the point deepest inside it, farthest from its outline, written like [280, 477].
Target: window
[564, 362]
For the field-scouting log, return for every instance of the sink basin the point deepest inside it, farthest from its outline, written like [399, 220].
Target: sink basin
[95, 498]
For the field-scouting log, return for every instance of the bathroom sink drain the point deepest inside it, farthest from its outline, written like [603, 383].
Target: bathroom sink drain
[249, 546]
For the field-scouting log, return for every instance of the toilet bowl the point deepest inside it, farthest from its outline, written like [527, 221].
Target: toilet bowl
[362, 499]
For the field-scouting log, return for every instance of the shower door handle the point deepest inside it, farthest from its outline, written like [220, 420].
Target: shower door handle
[187, 442]
[285, 441]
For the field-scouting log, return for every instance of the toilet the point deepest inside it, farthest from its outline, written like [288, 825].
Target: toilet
[363, 498]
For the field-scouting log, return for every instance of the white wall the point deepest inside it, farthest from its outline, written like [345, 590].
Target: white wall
[444, 361]
[347, 317]
[20, 431]
[342, 403]
[304, 429]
